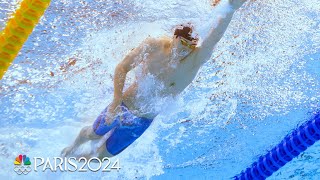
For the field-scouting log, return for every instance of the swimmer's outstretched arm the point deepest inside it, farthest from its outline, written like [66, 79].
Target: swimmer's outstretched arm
[224, 13]
[131, 60]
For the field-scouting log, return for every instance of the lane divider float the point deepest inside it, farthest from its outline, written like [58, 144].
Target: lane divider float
[290, 147]
[18, 29]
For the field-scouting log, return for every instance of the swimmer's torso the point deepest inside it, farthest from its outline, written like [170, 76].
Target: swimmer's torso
[164, 73]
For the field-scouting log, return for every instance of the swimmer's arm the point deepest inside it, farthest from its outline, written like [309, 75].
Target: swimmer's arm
[129, 62]
[133, 59]
[218, 28]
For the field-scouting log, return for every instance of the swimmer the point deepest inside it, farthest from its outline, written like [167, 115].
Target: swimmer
[173, 62]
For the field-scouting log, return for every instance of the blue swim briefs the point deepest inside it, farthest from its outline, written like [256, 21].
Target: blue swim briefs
[126, 130]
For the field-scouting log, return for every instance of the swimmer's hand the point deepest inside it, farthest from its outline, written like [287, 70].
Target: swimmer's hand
[236, 4]
[113, 110]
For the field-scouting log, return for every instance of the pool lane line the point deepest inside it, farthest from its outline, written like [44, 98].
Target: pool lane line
[290, 147]
[18, 29]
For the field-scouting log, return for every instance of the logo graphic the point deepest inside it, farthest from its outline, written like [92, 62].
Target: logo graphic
[22, 164]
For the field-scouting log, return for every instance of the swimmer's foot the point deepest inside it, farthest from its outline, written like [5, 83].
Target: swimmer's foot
[66, 151]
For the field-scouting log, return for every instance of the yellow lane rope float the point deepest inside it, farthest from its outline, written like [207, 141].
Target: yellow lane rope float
[18, 29]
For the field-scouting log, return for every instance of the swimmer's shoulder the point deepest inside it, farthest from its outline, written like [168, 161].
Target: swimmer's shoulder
[162, 42]
[165, 42]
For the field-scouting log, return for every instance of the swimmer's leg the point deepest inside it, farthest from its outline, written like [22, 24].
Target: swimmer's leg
[101, 152]
[85, 135]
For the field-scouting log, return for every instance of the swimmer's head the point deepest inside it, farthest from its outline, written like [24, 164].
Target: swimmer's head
[183, 36]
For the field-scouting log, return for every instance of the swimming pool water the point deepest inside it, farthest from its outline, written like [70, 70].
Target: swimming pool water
[262, 81]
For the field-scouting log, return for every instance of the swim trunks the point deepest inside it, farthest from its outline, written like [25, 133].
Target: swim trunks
[127, 128]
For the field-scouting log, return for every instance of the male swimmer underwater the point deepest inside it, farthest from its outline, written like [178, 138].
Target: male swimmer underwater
[118, 119]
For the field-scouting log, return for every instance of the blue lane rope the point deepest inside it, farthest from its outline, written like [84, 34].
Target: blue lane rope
[291, 146]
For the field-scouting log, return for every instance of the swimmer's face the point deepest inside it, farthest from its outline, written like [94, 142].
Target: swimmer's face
[177, 43]
[183, 43]
[183, 39]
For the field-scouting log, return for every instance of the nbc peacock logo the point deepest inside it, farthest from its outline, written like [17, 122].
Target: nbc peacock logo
[22, 164]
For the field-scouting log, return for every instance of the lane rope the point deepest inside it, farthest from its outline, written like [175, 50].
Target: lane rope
[290, 147]
[18, 29]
